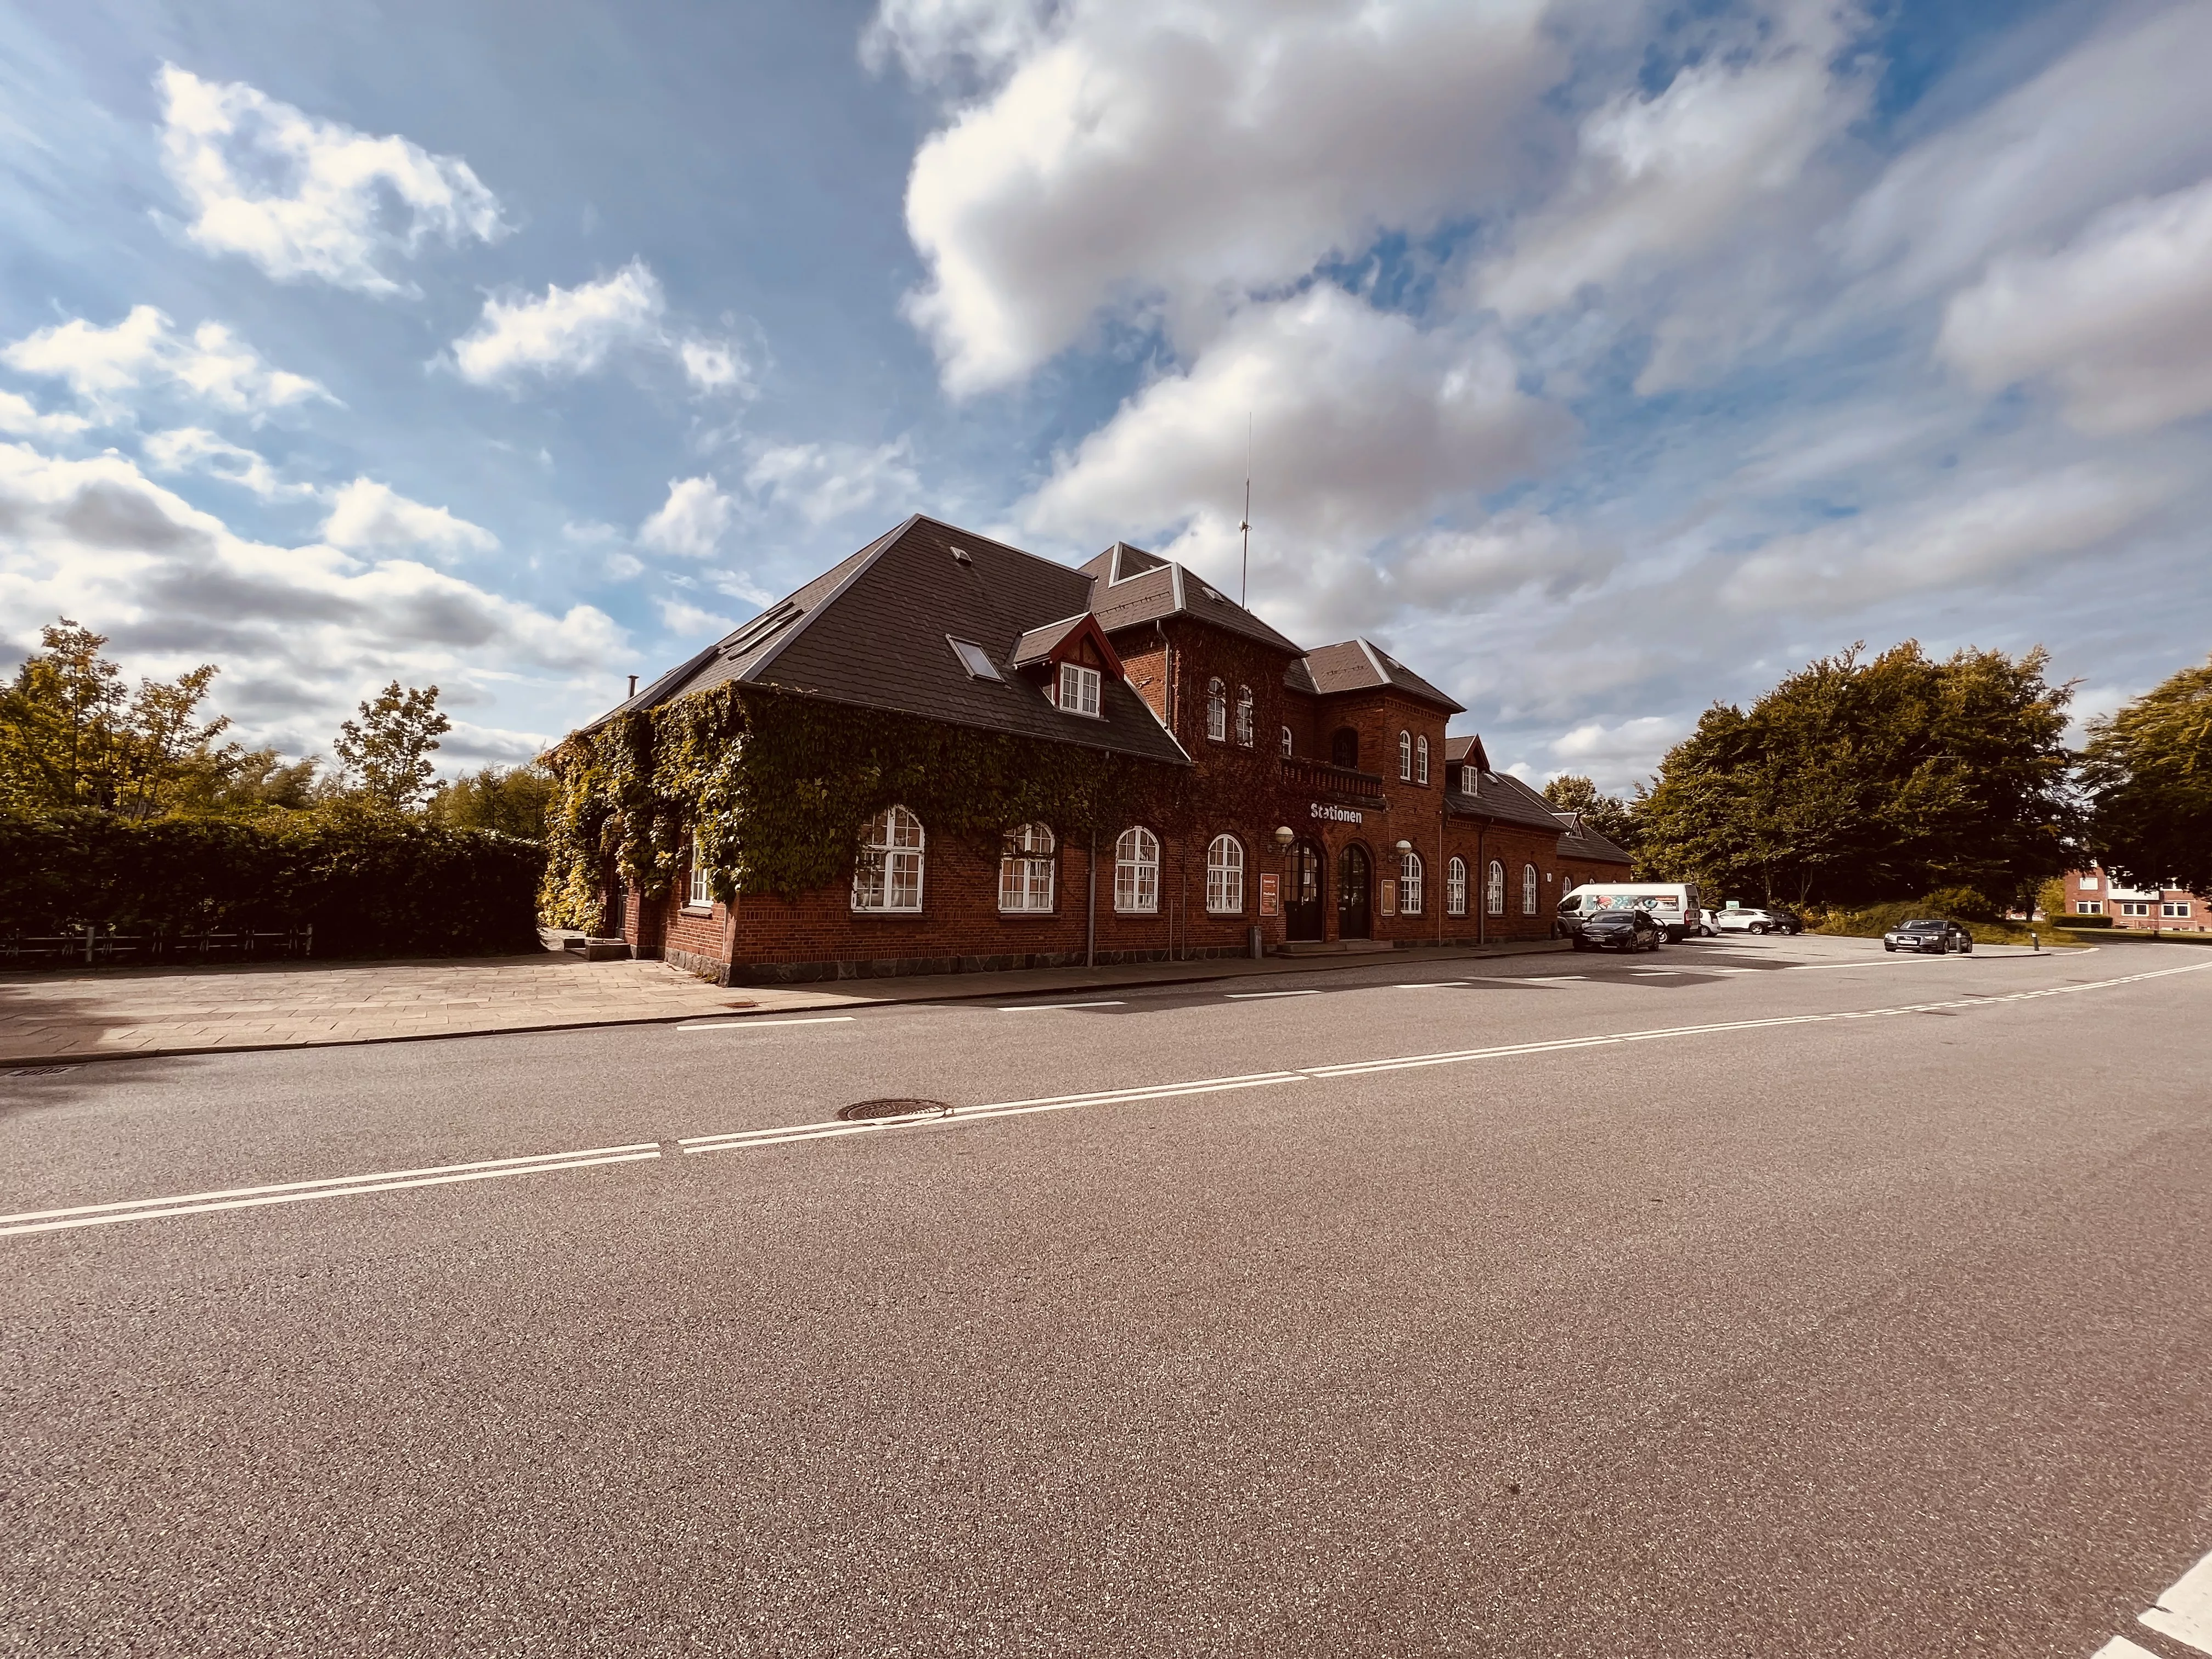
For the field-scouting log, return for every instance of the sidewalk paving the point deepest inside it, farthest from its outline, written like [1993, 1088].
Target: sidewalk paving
[127, 1014]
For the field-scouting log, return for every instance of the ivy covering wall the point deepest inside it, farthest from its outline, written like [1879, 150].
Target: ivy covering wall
[778, 788]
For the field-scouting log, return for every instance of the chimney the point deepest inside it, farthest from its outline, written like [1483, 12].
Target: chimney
[633, 685]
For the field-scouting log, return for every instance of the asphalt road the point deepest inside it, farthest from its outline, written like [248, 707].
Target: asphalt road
[1695, 1306]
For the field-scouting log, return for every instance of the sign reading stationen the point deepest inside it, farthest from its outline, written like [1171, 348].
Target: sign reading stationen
[1338, 814]
[1271, 895]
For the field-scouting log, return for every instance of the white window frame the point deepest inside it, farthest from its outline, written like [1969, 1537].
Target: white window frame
[1078, 690]
[2135, 907]
[2173, 908]
[1493, 893]
[1410, 884]
[1217, 712]
[1405, 756]
[1029, 868]
[887, 874]
[1455, 887]
[1245, 723]
[2089, 907]
[700, 893]
[1527, 890]
[1289, 746]
[1224, 877]
[1137, 872]
[1421, 761]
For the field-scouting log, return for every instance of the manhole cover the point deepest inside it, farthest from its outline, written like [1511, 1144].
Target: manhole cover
[870, 1109]
[38, 1071]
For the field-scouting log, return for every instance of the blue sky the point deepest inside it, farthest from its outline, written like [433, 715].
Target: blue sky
[1602, 358]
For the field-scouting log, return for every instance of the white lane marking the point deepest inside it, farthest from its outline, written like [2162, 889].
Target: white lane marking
[1541, 978]
[1043, 1007]
[2120, 1648]
[1261, 996]
[2185, 1611]
[1432, 985]
[299, 1192]
[747, 1024]
[1825, 966]
[744, 1139]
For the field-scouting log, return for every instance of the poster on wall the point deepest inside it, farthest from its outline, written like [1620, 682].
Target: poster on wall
[1389, 896]
[1271, 895]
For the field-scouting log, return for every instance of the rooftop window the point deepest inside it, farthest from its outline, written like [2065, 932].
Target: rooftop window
[1078, 690]
[976, 659]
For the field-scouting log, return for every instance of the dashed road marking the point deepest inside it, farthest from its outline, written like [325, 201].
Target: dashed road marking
[1045, 1007]
[2183, 1612]
[752, 1024]
[1261, 996]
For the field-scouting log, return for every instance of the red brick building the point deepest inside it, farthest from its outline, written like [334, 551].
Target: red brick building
[1327, 807]
[2093, 892]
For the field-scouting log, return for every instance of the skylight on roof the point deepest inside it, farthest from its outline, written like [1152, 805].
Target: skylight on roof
[756, 631]
[976, 659]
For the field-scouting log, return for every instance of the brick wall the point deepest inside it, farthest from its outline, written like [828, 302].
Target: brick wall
[2143, 910]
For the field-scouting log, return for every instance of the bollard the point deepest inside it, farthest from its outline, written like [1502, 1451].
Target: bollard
[2034, 940]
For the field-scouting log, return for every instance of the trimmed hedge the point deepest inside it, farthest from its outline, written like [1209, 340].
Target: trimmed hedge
[370, 884]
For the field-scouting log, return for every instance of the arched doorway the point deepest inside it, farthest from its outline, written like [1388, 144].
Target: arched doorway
[1354, 882]
[1301, 911]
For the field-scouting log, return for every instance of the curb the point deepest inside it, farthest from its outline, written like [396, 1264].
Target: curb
[13, 1062]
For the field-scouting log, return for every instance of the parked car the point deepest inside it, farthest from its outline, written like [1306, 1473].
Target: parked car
[1928, 934]
[1743, 921]
[1632, 929]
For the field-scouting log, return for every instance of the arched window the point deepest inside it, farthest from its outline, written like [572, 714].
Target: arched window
[1494, 889]
[887, 874]
[1026, 868]
[1217, 712]
[1245, 715]
[1225, 876]
[1455, 888]
[1344, 748]
[1409, 885]
[1527, 890]
[1286, 742]
[701, 895]
[1421, 761]
[1137, 873]
[1404, 757]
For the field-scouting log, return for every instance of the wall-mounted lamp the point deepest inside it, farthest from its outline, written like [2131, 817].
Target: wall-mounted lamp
[1285, 836]
[1405, 846]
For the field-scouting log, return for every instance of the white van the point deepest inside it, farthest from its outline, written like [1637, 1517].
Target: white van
[1673, 904]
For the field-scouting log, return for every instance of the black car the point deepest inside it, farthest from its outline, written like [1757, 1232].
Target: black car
[1929, 934]
[1786, 920]
[1620, 930]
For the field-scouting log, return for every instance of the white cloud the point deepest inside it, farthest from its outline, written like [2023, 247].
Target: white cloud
[104, 365]
[574, 330]
[690, 522]
[303, 198]
[1983, 530]
[570, 332]
[296, 629]
[1139, 152]
[932, 39]
[1450, 570]
[1636, 744]
[196, 449]
[2120, 319]
[2122, 115]
[19, 416]
[370, 517]
[826, 481]
[682, 617]
[1362, 425]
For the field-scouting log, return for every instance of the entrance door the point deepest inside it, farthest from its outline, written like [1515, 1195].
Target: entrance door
[1354, 914]
[1302, 913]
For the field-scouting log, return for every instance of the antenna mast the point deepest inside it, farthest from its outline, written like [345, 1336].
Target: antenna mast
[1244, 583]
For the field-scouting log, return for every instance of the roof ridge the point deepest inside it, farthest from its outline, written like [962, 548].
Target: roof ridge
[864, 562]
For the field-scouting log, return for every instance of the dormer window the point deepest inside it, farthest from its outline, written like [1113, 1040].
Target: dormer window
[976, 659]
[1078, 690]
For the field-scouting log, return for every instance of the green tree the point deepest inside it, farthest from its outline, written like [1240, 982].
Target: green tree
[512, 799]
[385, 753]
[1854, 782]
[2148, 770]
[1619, 820]
[71, 734]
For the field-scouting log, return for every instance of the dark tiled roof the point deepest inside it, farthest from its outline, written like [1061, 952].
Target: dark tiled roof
[1299, 678]
[1130, 587]
[1501, 798]
[1457, 750]
[872, 632]
[1037, 644]
[1359, 666]
[1581, 841]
